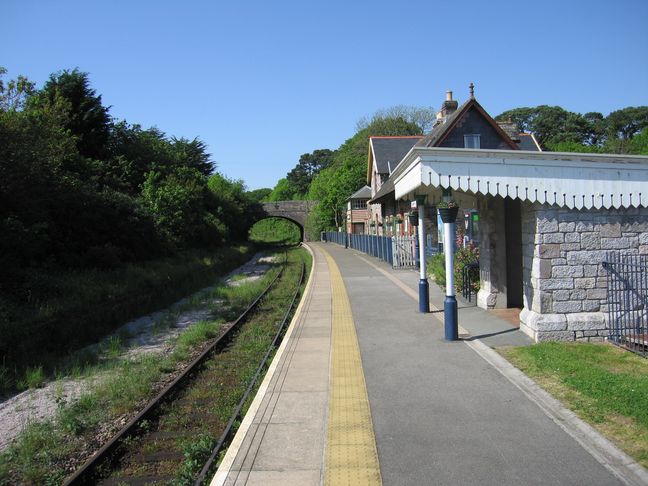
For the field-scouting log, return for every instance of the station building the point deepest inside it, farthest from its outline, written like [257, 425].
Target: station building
[548, 221]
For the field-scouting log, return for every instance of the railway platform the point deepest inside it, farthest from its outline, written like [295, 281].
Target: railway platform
[365, 390]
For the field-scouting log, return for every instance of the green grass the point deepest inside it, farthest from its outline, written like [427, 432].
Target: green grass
[33, 378]
[39, 454]
[605, 385]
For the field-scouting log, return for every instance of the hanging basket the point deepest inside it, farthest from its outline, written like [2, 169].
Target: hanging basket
[413, 219]
[448, 215]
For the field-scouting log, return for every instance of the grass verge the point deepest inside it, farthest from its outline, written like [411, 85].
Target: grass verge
[604, 385]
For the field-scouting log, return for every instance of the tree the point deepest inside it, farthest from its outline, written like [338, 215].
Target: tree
[333, 185]
[308, 167]
[550, 124]
[522, 117]
[639, 143]
[179, 203]
[283, 191]
[423, 117]
[258, 195]
[597, 128]
[134, 152]
[232, 205]
[88, 119]
[14, 94]
[627, 122]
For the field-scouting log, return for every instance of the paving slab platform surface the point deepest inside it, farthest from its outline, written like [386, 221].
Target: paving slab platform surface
[439, 412]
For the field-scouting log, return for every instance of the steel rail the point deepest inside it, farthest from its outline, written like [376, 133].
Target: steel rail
[237, 412]
[83, 475]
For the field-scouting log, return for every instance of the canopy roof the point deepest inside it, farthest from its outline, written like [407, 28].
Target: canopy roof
[570, 180]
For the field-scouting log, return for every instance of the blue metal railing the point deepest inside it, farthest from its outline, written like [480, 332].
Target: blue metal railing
[373, 245]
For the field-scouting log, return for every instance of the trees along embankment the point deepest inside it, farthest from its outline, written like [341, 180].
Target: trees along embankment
[100, 220]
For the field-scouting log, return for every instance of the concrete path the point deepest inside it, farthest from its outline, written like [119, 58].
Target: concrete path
[441, 413]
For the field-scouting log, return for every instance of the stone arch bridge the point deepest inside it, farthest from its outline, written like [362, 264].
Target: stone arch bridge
[295, 211]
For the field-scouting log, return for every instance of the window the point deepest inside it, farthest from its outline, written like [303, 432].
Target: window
[471, 141]
[359, 204]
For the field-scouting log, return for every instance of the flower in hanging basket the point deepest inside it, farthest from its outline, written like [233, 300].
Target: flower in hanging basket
[447, 204]
[448, 211]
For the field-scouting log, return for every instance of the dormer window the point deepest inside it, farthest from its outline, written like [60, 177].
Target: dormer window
[359, 203]
[472, 141]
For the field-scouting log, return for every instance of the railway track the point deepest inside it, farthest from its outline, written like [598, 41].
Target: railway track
[177, 437]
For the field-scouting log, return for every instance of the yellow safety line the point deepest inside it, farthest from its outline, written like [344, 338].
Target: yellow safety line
[351, 455]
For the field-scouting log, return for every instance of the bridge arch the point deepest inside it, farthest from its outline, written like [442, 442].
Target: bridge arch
[294, 211]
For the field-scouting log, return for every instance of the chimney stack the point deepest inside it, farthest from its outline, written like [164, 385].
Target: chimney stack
[448, 107]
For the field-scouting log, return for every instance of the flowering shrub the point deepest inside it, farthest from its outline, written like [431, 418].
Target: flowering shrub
[463, 256]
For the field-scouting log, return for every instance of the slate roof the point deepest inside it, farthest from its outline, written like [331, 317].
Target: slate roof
[528, 142]
[389, 151]
[439, 132]
[362, 193]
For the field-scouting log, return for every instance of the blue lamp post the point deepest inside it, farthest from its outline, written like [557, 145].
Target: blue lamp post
[449, 216]
[424, 289]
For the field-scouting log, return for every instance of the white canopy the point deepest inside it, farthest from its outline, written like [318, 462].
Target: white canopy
[572, 180]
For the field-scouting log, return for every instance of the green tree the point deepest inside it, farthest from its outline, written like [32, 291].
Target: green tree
[134, 152]
[88, 119]
[333, 185]
[627, 122]
[15, 92]
[422, 117]
[550, 124]
[283, 191]
[179, 203]
[258, 195]
[597, 128]
[639, 143]
[309, 166]
[233, 206]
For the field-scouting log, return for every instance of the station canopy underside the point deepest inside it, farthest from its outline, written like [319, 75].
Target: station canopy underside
[575, 181]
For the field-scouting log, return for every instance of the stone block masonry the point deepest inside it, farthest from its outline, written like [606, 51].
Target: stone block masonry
[565, 284]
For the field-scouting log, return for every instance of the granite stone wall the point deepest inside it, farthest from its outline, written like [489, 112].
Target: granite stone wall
[565, 284]
[492, 253]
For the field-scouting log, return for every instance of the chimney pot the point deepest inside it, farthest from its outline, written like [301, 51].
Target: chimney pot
[448, 95]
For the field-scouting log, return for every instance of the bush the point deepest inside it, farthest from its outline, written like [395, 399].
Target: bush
[463, 256]
[436, 268]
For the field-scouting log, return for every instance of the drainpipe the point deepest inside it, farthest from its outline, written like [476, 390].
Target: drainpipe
[424, 290]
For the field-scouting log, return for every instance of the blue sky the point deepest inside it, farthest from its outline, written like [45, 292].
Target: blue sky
[263, 82]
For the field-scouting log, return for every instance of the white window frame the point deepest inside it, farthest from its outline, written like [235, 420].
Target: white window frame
[472, 141]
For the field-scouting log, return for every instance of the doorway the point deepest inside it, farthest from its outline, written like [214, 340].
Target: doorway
[513, 236]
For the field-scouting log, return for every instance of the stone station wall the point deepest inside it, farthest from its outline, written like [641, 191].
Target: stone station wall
[565, 284]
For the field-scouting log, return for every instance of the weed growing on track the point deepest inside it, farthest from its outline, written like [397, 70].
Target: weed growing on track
[39, 455]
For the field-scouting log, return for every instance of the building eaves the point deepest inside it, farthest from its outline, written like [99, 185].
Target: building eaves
[362, 193]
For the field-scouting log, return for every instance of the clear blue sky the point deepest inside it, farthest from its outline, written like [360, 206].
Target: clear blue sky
[262, 82]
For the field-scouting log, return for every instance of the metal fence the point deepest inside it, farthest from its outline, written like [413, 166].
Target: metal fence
[399, 251]
[469, 276]
[627, 296]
